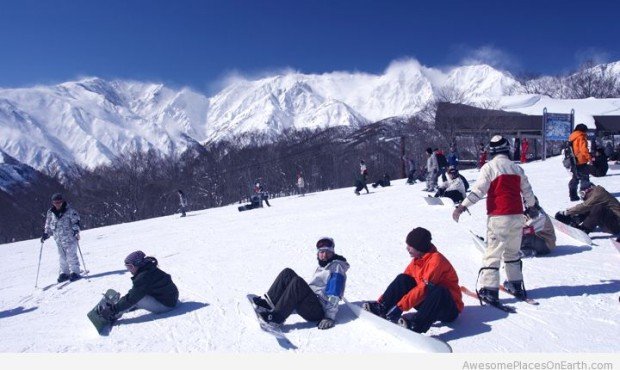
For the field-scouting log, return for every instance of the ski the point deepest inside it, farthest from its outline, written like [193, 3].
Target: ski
[526, 300]
[500, 306]
[283, 341]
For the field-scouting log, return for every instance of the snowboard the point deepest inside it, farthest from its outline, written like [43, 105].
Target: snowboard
[283, 341]
[101, 324]
[570, 231]
[615, 243]
[433, 201]
[420, 343]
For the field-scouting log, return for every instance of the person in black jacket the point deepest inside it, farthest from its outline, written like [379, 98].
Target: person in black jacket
[152, 290]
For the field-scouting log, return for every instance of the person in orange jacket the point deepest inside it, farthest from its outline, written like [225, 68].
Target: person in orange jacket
[429, 284]
[581, 172]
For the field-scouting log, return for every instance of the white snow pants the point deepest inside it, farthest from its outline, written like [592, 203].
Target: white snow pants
[503, 242]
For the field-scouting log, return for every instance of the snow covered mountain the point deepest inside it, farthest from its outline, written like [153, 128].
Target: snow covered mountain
[86, 123]
[92, 121]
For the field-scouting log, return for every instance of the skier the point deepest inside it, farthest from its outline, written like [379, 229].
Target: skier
[503, 182]
[316, 300]
[301, 184]
[152, 289]
[454, 188]
[429, 284]
[432, 169]
[182, 202]
[63, 222]
[581, 174]
[599, 208]
[538, 234]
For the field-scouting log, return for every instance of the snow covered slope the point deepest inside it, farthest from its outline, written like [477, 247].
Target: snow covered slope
[217, 256]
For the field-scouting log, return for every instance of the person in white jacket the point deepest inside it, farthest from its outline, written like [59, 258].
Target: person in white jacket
[453, 188]
[432, 170]
[314, 300]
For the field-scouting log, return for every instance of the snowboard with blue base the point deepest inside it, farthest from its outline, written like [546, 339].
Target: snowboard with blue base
[103, 325]
[283, 341]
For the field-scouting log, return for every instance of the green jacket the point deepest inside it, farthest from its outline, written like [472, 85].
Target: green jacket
[149, 280]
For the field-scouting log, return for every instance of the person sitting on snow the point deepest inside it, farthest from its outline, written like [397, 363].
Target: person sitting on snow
[385, 181]
[429, 284]
[453, 188]
[316, 300]
[152, 289]
[599, 208]
[538, 234]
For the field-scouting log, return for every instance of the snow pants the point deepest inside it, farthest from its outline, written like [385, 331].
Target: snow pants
[67, 255]
[289, 293]
[438, 304]
[581, 175]
[535, 243]
[602, 216]
[504, 235]
[431, 180]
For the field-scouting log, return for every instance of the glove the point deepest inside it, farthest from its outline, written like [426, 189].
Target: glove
[528, 230]
[532, 212]
[394, 314]
[76, 234]
[457, 212]
[326, 324]
[44, 237]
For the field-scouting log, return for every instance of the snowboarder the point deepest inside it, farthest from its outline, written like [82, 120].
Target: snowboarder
[503, 182]
[182, 202]
[581, 174]
[411, 168]
[538, 234]
[360, 183]
[442, 162]
[432, 170]
[316, 300]
[363, 170]
[263, 194]
[454, 188]
[453, 157]
[429, 284]
[599, 164]
[525, 145]
[599, 208]
[385, 181]
[63, 222]
[152, 289]
[482, 155]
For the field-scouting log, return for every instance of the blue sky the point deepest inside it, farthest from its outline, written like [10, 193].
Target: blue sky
[197, 43]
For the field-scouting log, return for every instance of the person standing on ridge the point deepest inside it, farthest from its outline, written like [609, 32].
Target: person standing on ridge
[182, 202]
[63, 222]
[503, 182]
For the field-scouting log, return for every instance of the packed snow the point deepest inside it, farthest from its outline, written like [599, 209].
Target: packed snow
[217, 256]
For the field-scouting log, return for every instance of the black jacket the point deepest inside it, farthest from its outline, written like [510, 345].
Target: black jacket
[150, 280]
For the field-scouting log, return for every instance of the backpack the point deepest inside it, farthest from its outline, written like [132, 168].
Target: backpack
[569, 160]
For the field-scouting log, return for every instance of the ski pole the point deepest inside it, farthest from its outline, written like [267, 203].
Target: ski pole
[80, 250]
[39, 265]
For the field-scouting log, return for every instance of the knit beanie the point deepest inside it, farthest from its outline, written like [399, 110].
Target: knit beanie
[326, 243]
[419, 239]
[136, 258]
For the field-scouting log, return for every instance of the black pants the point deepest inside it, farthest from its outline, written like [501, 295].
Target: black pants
[455, 195]
[581, 174]
[602, 216]
[438, 304]
[288, 293]
[535, 243]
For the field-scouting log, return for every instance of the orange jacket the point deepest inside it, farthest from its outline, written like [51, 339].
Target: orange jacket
[433, 268]
[580, 146]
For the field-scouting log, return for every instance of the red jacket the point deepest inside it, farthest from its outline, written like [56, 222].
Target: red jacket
[433, 268]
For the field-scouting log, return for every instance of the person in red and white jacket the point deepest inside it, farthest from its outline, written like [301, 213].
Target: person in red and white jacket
[503, 182]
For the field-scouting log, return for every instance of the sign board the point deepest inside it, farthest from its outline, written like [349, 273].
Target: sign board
[557, 126]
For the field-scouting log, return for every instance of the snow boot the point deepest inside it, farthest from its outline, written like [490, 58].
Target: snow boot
[62, 277]
[74, 276]
[489, 295]
[516, 288]
[376, 308]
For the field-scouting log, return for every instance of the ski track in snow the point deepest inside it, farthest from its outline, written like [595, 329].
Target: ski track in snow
[220, 255]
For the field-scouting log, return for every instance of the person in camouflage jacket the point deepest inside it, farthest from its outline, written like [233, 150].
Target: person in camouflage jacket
[63, 222]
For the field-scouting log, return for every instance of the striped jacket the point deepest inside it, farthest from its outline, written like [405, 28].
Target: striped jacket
[503, 182]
